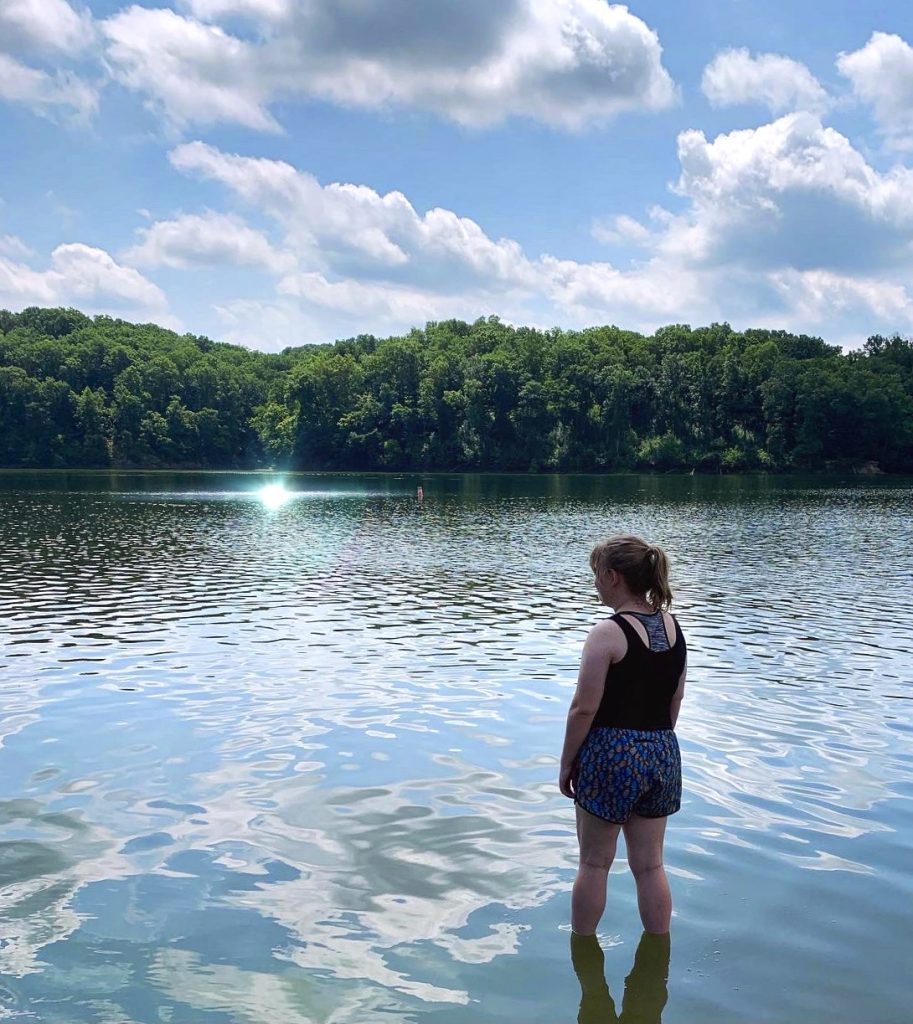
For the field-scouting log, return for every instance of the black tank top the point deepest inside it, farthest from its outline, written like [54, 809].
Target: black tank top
[639, 688]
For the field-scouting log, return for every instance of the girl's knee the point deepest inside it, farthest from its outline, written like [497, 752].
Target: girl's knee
[642, 868]
[597, 861]
[598, 856]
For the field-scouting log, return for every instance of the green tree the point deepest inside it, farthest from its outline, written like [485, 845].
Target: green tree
[100, 391]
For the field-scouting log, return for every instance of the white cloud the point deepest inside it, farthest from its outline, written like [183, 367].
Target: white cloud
[352, 228]
[386, 304]
[45, 94]
[86, 272]
[14, 247]
[371, 261]
[621, 228]
[786, 224]
[78, 275]
[565, 62]
[212, 10]
[739, 249]
[881, 74]
[778, 83]
[818, 294]
[591, 292]
[269, 324]
[207, 240]
[190, 72]
[310, 307]
[43, 25]
[788, 193]
[21, 286]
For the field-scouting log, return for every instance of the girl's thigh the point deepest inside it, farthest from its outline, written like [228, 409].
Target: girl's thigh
[644, 841]
[597, 838]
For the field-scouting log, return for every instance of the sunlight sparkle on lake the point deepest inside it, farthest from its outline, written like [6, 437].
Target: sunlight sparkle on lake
[274, 495]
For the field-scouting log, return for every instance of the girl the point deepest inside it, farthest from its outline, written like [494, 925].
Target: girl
[621, 762]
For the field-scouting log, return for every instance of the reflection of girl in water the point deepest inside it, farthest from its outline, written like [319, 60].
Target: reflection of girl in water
[645, 987]
[621, 760]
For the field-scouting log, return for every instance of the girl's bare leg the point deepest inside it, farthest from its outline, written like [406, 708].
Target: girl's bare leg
[644, 840]
[597, 840]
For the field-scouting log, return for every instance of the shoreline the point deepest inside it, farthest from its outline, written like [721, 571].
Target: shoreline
[524, 474]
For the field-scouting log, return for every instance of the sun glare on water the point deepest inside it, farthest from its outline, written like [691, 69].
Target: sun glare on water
[274, 495]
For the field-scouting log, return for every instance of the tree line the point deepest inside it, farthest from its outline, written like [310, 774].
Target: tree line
[77, 391]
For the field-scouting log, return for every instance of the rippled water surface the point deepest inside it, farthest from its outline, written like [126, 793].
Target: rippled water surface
[297, 763]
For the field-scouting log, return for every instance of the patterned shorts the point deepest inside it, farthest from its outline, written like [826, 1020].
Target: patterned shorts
[621, 772]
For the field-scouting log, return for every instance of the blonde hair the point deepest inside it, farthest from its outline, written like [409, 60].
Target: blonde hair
[644, 566]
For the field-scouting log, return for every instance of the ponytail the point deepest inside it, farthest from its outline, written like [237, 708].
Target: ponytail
[659, 593]
[644, 566]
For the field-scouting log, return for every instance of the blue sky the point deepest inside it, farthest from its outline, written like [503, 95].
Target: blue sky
[276, 172]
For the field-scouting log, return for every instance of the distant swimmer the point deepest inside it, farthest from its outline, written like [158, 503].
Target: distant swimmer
[419, 493]
[621, 762]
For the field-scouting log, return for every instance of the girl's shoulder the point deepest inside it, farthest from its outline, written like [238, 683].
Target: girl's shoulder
[673, 629]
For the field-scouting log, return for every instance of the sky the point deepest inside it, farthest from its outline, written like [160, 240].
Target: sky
[281, 172]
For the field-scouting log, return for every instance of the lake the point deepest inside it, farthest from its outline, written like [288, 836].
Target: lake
[292, 758]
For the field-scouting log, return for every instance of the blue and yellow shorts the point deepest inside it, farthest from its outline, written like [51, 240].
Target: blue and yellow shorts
[620, 772]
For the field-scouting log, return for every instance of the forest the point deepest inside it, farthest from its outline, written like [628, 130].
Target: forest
[80, 391]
